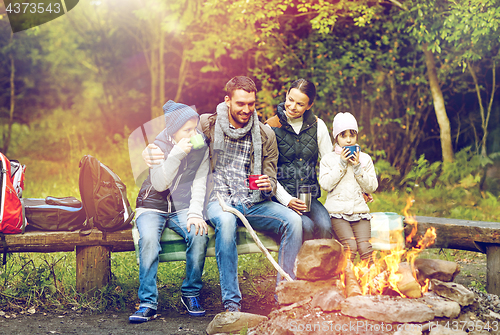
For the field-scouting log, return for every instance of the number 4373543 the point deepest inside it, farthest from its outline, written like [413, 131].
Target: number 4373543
[33, 8]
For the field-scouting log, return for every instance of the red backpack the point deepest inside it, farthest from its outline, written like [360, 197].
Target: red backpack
[12, 220]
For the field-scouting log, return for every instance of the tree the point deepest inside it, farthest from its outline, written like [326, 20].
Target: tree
[472, 30]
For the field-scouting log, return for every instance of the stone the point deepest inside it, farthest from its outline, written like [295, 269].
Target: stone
[408, 329]
[289, 292]
[408, 285]
[442, 307]
[441, 330]
[387, 309]
[320, 259]
[435, 269]
[328, 299]
[452, 291]
[233, 322]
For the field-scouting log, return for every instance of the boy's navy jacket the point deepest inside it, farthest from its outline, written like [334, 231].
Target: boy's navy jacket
[178, 195]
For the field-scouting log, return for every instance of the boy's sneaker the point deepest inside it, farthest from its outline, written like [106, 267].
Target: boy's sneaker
[143, 314]
[193, 306]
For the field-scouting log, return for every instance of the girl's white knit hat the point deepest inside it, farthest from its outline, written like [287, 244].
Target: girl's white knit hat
[342, 122]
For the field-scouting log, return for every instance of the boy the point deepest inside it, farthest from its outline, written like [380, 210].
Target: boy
[173, 196]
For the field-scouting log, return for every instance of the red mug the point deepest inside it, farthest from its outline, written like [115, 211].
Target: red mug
[251, 181]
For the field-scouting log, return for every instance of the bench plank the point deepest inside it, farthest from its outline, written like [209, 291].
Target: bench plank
[457, 234]
[42, 241]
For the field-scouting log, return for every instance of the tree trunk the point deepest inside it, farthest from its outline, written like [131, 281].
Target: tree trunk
[161, 79]
[181, 78]
[6, 143]
[484, 118]
[439, 108]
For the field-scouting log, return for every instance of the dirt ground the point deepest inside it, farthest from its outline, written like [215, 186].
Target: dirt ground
[116, 322]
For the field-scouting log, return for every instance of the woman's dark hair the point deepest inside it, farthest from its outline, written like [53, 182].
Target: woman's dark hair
[240, 83]
[305, 87]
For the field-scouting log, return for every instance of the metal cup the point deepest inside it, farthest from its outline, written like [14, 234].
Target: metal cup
[305, 196]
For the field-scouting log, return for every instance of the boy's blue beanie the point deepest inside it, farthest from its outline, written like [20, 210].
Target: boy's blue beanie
[176, 115]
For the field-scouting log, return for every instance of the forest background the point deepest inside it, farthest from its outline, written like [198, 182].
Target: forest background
[420, 77]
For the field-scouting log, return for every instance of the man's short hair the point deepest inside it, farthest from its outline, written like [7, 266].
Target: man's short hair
[240, 83]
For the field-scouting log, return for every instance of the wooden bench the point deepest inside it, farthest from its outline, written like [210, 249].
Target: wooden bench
[93, 266]
[478, 236]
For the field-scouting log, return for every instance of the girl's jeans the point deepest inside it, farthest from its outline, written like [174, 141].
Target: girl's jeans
[354, 236]
[151, 225]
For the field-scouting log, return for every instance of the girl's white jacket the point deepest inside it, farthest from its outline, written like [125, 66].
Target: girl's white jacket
[346, 183]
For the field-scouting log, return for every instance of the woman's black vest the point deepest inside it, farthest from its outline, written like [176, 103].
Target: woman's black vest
[298, 153]
[178, 196]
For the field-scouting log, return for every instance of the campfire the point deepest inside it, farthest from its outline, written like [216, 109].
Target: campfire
[399, 291]
[389, 275]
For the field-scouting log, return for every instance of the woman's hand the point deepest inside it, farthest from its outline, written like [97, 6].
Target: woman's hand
[152, 155]
[297, 205]
[200, 225]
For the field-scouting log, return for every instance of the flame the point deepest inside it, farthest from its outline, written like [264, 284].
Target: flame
[383, 273]
[410, 220]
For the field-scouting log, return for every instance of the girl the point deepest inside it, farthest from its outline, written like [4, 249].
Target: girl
[301, 137]
[346, 177]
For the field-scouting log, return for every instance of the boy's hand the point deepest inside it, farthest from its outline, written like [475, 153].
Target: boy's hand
[185, 145]
[152, 155]
[200, 225]
[264, 183]
[297, 205]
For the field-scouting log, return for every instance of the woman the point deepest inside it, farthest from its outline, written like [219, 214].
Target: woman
[302, 138]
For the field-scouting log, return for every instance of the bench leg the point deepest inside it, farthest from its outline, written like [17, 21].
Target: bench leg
[93, 268]
[493, 269]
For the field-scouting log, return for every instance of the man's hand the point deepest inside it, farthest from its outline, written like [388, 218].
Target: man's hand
[297, 205]
[199, 224]
[264, 183]
[152, 155]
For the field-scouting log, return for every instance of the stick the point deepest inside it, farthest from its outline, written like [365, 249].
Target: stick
[256, 239]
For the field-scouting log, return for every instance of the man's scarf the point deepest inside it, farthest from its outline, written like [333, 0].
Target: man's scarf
[222, 127]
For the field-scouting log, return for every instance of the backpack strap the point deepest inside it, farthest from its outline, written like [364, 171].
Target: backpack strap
[23, 217]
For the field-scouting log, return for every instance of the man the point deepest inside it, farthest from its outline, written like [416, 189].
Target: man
[240, 146]
[173, 196]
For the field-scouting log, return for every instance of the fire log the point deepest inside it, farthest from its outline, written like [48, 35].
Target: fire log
[352, 287]
[408, 285]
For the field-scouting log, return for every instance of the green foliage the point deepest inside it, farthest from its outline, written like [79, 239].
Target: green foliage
[422, 173]
[466, 170]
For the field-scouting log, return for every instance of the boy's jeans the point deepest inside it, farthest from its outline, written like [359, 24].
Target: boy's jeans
[263, 216]
[151, 225]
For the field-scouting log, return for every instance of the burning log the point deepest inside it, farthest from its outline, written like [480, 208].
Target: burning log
[379, 283]
[408, 285]
[352, 287]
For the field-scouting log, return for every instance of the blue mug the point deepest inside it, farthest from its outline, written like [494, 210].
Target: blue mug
[352, 149]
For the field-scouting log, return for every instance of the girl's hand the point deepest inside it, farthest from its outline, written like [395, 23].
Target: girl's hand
[185, 145]
[344, 155]
[297, 205]
[354, 159]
